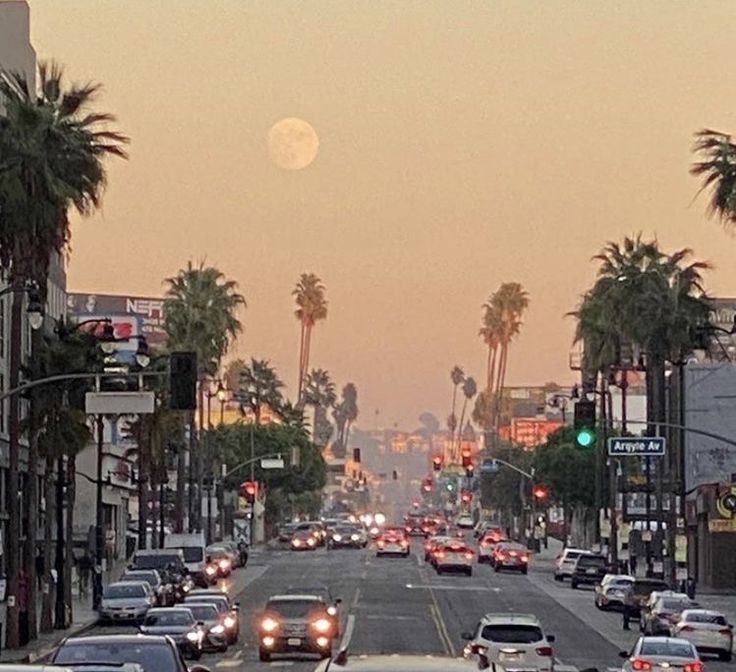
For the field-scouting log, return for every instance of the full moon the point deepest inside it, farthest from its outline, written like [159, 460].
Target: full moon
[292, 143]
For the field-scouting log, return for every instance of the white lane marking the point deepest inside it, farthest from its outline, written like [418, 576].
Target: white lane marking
[282, 663]
[440, 586]
[439, 623]
[348, 634]
[356, 597]
[230, 662]
[383, 617]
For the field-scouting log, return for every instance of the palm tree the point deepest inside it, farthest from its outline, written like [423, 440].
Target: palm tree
[457, 376]
[491, 331]
[345, 413]
[260, 385]
[201, 308]
[319, 392]
[309, 294]
[53, 150]
[470, 389]
[231, 377]
[717, 168]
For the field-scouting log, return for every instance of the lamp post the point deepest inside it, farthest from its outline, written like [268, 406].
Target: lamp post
[220, 394]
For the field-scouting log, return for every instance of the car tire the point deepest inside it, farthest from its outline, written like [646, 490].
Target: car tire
[469, 571]
[264, 656]
[573, 584]
[725, 656]
[525, 570]
[222, 649]
[558, 578]
[196, 654]
[496, 568]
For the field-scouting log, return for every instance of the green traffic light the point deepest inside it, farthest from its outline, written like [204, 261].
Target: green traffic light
[585, 438]
[450, 487]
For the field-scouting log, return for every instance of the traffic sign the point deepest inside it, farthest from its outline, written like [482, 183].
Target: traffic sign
[272, 463]
[636, 445]
[489, 467]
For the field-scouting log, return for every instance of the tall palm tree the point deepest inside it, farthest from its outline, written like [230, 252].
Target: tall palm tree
[491, 331]
[201, 309]
[52, 152]
[470, 389]
[260, 385]
[504, 311]
[309, 295]
[319, 392]
[457, 376]
[717, 168]
[345, 414]
[231, 377]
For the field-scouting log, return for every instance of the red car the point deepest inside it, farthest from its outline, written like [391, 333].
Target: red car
[393, 541]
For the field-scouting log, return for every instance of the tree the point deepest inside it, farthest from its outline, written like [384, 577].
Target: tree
[260, 385]
[52, 152]
[319, 392]
[491, 331]
[309, 294]
[345, 414]
[430, 424]
[231, 377]
[470, 389]
[201, 309]
[717, 169]
[457, 376]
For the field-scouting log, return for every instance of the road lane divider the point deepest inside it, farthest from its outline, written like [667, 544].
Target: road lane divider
[348, 634]
[439, 623]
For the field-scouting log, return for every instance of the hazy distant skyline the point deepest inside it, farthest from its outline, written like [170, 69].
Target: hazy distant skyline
[460, 145]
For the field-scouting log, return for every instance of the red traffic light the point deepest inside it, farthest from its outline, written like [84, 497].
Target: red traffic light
[466, 496]
[467, 458]
[249, 490]
[437, 462]
[427, 485]
[540, 492]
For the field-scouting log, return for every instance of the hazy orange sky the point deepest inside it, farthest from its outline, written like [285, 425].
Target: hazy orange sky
[462, 144]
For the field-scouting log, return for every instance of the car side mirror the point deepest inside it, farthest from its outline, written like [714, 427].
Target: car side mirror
[623, 654]
[467, 636]
[551, 638]
[338, 600]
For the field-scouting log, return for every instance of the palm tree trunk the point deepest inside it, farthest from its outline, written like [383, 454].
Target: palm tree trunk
[301, 365]
[500, 375]
[47, 601]
[181, 477]
[454, 419]
[69, 534]
[491, 367]
[460, 429]
[307, 346]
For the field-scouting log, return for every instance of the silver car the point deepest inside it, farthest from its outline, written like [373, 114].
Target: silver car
[126, 601]
[661, 654]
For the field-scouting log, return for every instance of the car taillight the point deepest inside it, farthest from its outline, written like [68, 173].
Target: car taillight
[404, 543]
[469, 555]
[500, 555]
[525, 558]
[697, 666]
[640, 664]
[545, 651]
[408, 528]
[439, 554]
[485, 543]
[725, 631]
[688, 628]
[381, 543]
[512, 554]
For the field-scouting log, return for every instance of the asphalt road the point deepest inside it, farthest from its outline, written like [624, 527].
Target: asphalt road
[399, 605]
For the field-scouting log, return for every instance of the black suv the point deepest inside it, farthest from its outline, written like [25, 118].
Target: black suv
[589, 570]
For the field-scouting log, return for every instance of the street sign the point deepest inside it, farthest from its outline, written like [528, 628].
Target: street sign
[119, 403]
[636, 445]
[272, 463]
[489, 467]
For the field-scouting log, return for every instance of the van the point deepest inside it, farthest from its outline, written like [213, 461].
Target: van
[193, 547]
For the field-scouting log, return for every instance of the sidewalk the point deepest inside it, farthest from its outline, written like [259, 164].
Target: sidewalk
[83, 618]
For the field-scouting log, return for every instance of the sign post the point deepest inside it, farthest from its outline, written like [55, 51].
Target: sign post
[641, 446]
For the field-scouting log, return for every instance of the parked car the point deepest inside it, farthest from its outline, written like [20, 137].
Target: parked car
[610, 592]
[126, 601]
[512, 641]
[565, 562]
[662, 613]
[152, 653]
[590, 568]
[661, 653]
[179, 624]
[708, 630]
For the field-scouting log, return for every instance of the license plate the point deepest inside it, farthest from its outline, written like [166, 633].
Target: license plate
[294, 641]
[591, 571]
[509, 656]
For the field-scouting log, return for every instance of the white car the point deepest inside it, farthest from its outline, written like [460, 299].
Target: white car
[513, 641]
[464, 521]
[454, 556]
[661, 654]
[565, 562]
[609, 593]
[708, 630]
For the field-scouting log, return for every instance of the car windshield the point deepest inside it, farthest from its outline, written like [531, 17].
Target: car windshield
[704, 617]
[203, 612]
[220, 605]
[173, 617]
[150, 579]
[591, 561]
[158, 561]
[294, 608]
[153, 657]
[667, 648]
[511, 633]
[193, 553]
[675, 605]
[647, 587]
[124, 590]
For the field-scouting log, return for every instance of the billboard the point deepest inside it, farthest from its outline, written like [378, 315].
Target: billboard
[130, 315]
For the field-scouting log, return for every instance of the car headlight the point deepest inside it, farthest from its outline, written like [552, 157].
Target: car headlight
[310, 542]
[194, 636]
[230, 621]
[355, 537]
[337, 537]
[322, 625]
[224, 564]
[186, 588]
[332, 611]
[217, 630]
[267, 624]
[210, 570]
[296, 543]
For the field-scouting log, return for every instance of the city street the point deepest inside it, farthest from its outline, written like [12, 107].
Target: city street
[397, 605]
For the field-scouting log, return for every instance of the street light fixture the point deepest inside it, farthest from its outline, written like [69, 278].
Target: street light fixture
[221, 392]
[34, 309]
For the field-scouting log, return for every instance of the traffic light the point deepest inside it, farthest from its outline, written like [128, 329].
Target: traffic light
[249, 490]
[437, 463]
[450, 486]
[183, 381]
[584, 423]
[467, 457]
[466, 496]
[469, 470]
[427, 485]
[540, 492]
[356, 455]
